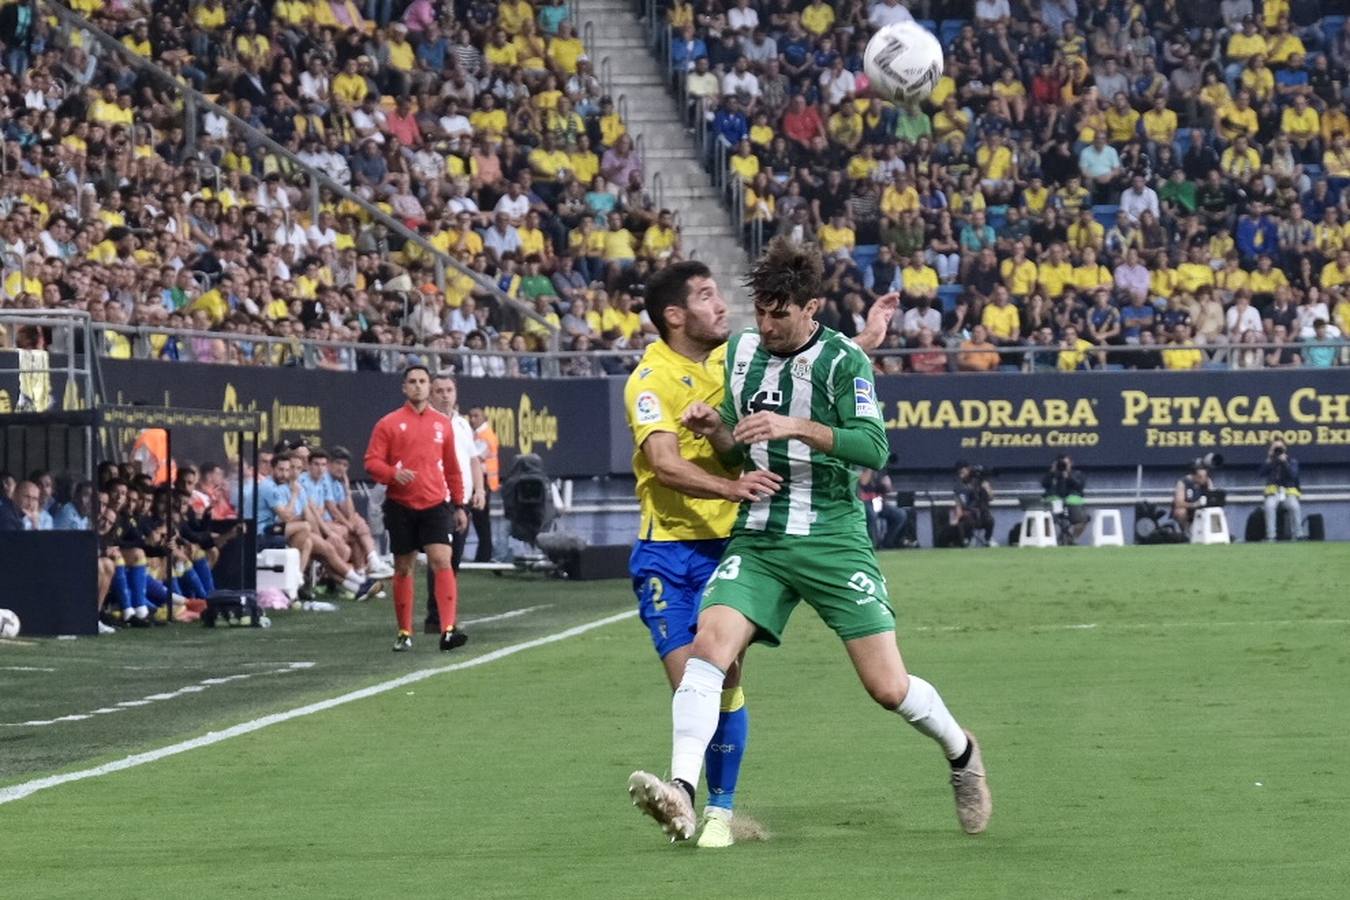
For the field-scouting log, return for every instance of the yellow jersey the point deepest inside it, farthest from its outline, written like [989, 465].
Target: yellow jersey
[656, 395]
[1019, 277]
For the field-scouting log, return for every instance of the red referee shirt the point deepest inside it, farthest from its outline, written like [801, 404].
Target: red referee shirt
[424, 443]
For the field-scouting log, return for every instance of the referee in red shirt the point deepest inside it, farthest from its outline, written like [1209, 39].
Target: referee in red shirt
[412, 452]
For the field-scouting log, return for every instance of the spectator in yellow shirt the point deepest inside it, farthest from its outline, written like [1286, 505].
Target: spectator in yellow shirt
[1086, 232]
[1001, 318]
[1122, 120]
[1160, 124]
[1237, 118]
[620, 245]
[1091, 275]
[1301, 124]
[1240, 161]
[836, 236]
[1073, 353]
[899, 197]
[1257, 79]
[513, 14]
[565, 49]
[350, 86]
[918, 280]
[1180, 355]
[661, 239]
[744, 162]
[1019, 273]
[1055, 273]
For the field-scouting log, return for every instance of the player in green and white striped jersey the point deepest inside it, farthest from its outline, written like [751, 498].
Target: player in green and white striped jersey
[799, 401]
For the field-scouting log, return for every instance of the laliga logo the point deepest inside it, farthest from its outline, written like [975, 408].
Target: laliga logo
[535, 426]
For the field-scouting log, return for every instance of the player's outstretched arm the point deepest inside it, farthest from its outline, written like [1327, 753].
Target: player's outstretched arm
[878, 320]
[662, 450]
[703, 420]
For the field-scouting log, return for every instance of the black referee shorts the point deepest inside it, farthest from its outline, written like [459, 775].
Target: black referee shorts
[411, 529]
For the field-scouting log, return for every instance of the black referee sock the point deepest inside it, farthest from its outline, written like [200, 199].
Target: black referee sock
[689, 788]
[964, 759]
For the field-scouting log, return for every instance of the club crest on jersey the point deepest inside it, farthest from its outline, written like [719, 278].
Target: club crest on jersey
[742, 366]
[440, 435]
[801, 368]
[687, 381]
[648, 408]
[864, 399]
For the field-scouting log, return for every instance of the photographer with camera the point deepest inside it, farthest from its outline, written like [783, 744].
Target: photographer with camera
[1063, 486]
[1280, 473]
[1192, 492]
[974, 498]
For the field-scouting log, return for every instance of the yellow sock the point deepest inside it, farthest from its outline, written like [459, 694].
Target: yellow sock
[732, 699]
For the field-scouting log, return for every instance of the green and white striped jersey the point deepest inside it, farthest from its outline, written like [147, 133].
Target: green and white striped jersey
[829, 381]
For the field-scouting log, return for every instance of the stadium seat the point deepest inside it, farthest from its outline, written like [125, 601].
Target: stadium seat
[949, 29]
[1331, 26]
[930, 24]
[864, 255]
[1105, 214]
[948, 294]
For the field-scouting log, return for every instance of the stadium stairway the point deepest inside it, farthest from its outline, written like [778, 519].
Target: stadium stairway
[667, 148]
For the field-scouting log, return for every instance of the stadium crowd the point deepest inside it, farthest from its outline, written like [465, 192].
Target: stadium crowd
[1088, 178]
[1097, 182]
[479, 125]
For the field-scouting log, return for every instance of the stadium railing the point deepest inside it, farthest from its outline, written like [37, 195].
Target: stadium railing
[194, 102]
[309, 353]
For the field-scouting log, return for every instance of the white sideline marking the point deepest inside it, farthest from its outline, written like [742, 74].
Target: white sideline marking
[26, 669]
[19, 791]
[509, 614]
[1134, 626]
[155, 698]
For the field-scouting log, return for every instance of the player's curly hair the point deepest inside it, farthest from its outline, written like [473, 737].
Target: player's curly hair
[786, 275]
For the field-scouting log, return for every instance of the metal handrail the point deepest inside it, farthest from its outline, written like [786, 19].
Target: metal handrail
[65, 323]
[588, 36]
[606, 76]
[622, 105]
[658, 190]
[192, 99]
[68, 320]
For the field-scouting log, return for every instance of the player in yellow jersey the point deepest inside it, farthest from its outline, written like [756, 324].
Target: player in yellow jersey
[689, 498]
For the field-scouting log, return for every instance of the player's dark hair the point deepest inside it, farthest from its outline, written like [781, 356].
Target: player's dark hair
[318, 453]
[342, 453]
[416, 367]
[281, 456]
[786, 275]
[670, 287]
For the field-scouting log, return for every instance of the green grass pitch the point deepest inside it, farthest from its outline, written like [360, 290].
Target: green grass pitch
[1157, 722]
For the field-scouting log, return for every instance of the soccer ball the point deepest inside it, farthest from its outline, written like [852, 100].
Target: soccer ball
[903, 62]
[9, 624]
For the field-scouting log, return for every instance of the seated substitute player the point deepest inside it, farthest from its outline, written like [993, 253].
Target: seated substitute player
[688, 496]
[799, 401]
[412, 452]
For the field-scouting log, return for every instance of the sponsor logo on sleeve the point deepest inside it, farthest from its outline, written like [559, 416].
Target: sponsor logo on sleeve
[648, 408]
[864, 399]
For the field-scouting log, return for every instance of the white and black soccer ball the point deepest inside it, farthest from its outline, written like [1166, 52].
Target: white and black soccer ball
[9, 624]
[903, 62]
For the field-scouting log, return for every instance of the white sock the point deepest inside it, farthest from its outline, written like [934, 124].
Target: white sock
[351, 581]
[694, 710]
[373, 560]
[924, 709]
